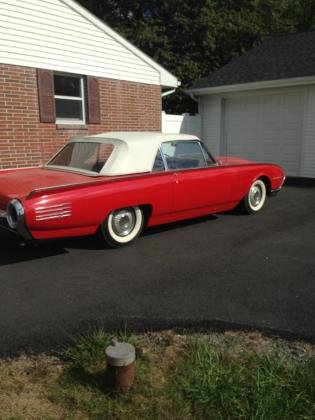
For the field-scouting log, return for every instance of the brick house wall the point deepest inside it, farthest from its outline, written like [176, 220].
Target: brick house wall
[25, 141]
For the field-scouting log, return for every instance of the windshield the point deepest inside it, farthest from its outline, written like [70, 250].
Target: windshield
[87, 156]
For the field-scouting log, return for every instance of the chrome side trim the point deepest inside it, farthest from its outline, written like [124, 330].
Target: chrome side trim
[54, 211]
[53, 216]
[57, 187]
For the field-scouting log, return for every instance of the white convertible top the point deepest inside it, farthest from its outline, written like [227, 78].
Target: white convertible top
[134, 152]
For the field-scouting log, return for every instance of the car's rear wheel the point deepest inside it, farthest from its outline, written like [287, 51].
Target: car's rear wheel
[256, 197]
[122, 226]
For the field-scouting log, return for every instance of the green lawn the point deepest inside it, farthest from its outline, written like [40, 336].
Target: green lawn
[216, 376]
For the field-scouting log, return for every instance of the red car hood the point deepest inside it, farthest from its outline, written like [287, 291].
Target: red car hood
[20, 182]
[224, 161]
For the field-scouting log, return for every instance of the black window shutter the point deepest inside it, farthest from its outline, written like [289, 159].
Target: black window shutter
[45, 83]
[93, 100]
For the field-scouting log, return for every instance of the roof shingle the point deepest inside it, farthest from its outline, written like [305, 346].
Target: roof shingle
[283, 57]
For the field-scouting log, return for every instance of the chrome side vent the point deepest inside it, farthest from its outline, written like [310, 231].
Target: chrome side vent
[56, 211]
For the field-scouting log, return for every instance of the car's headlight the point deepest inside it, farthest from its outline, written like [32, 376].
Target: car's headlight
[15, 213]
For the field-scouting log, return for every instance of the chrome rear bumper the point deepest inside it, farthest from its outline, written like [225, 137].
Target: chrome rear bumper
[4, 223]
[22, 231]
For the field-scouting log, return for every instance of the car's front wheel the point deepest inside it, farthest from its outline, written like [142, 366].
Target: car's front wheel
[122, 226]
[256, 197]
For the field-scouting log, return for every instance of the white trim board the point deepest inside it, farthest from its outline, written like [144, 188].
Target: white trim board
[278, 83]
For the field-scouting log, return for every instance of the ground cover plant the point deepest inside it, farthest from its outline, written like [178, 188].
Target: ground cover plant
[215, 376]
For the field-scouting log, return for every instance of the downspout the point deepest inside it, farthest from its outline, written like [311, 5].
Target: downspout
[168, 92]
[194, 98]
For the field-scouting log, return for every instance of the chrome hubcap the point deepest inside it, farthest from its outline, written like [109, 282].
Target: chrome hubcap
[123, 222]
[255, 195]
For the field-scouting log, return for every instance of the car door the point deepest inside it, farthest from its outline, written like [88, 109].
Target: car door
[199, 181]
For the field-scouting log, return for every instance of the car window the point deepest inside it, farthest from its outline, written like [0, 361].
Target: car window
[183, 155]
[209, 159]
[88, 156]
[158, 165]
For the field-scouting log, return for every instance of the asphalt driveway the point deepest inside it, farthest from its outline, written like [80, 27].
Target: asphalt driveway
[216, 272]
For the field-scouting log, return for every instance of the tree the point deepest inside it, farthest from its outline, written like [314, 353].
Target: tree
[302, 13]
[192, 39]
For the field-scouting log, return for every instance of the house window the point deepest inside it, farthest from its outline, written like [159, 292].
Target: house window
[69, 99]
[62, 98]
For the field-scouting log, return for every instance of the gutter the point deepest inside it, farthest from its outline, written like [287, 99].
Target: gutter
[169, 92]
[278, 83]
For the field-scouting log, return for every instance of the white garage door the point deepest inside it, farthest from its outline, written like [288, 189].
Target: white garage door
[267, 128]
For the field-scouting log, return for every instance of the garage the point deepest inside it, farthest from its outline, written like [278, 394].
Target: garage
[261, 105]
[265, 127]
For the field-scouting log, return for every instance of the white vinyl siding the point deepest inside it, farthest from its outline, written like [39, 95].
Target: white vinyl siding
[308, 161]
[210, 110]
[51, 35]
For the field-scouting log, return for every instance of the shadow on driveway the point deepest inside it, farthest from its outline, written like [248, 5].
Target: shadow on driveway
[300, 182]
[16, 250]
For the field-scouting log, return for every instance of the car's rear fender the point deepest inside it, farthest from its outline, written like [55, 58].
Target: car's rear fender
[85, 207]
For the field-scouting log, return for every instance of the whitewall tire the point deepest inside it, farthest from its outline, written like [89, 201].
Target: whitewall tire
[122, 226]
[256, 197]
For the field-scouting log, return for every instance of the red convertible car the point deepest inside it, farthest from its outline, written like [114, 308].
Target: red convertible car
[117, 183]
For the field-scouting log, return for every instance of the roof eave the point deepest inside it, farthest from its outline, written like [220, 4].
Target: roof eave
[167, 79]
[266, 84]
